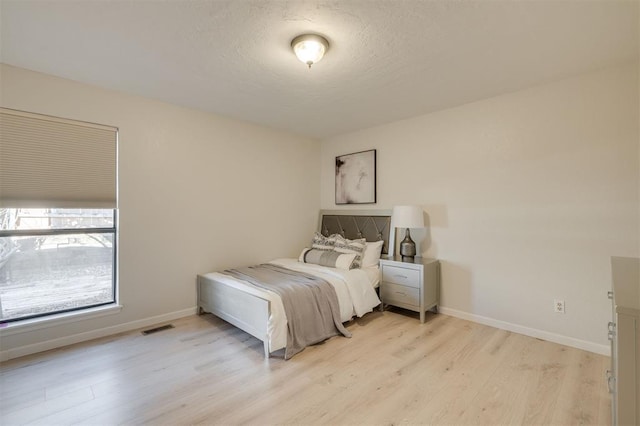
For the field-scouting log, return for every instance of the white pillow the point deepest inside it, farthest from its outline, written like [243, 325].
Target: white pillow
[372, 253]
[329, 258]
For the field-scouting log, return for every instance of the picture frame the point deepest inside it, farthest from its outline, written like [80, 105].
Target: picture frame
[356, 178]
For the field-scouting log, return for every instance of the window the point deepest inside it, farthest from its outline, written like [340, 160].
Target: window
[55, 260]
[58, 217]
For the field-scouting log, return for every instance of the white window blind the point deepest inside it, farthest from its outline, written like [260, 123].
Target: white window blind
[56, 163]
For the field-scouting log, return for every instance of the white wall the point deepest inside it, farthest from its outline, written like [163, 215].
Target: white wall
[197, 192]
[527, 194]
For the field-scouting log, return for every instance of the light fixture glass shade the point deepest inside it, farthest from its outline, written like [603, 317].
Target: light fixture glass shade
[408, 217]
[310, 48]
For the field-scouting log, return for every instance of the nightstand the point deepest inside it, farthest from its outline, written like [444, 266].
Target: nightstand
[413, 286]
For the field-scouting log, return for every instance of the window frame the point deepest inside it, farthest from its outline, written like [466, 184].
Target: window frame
[67, 231]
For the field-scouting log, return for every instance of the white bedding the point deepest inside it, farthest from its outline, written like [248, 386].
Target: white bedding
[373, 275]
[354, 288]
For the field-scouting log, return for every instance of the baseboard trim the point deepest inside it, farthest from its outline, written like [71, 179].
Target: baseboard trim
[531, 332]
[121, 328]
[93, 334]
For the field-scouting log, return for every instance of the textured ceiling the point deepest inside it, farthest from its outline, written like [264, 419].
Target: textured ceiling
[388, 60]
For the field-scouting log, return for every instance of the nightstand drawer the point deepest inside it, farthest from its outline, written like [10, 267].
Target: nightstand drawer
[400, 294]
[403, 276]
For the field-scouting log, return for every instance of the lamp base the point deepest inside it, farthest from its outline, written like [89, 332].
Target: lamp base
[408, 248]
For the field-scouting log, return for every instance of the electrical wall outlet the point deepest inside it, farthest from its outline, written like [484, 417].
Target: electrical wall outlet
[558, 306]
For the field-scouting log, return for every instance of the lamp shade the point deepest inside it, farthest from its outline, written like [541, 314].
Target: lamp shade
[408, 217]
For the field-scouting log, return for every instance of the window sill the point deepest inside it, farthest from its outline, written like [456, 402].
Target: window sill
[59, 319]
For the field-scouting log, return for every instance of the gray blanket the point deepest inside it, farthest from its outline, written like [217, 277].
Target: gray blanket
[310, 303]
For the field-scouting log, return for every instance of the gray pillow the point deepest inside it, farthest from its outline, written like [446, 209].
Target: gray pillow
[343, 245]
[329, 258]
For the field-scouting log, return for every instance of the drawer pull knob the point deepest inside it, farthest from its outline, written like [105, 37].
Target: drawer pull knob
[401, 276]
[399, 292]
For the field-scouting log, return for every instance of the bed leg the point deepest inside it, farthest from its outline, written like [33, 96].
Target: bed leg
[266, 349]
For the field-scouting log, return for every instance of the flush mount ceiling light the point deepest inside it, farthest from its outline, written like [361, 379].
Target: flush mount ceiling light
[310, 48]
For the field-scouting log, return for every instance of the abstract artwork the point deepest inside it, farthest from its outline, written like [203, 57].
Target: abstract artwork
[356, 178]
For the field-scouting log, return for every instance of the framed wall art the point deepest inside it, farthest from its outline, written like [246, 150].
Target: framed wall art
[356, 178]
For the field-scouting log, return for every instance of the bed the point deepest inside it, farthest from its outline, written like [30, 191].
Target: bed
[260, 312]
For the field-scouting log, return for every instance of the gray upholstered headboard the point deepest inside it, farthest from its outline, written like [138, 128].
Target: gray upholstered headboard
[374, 225]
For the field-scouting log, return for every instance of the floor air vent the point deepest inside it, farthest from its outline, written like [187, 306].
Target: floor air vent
[156, 329]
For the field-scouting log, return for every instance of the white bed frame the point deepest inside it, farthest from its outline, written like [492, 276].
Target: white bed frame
[251, 313]
[247, 312]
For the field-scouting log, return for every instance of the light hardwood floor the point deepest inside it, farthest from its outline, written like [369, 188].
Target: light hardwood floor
[393, 370]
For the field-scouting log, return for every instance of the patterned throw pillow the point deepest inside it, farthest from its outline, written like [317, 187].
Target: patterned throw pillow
[329, 258]
[342, 245]
[321, 242]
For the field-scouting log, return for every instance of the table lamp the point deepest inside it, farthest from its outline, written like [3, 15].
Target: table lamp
[408, 217]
